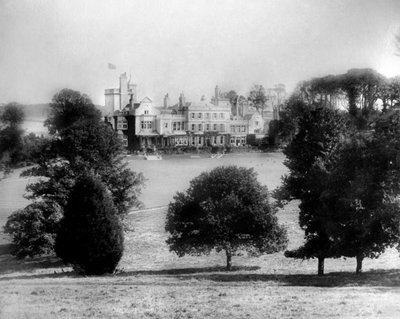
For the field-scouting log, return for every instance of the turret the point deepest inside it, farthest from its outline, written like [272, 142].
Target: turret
[123, 87]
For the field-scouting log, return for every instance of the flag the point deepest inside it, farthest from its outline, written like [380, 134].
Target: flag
[111, 66]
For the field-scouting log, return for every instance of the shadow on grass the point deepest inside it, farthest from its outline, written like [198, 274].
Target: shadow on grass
[10, 264]
[376, 278]
[186, 271]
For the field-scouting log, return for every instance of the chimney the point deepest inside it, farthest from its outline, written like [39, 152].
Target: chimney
[166, 101]
[217, 93]
[182, 101]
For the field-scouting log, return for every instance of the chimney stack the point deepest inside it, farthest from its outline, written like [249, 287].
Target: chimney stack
[166, 101]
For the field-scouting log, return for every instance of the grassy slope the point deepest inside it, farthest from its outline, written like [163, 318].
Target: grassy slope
[154, 283]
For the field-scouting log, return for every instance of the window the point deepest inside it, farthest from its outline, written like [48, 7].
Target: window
[221, 139]
[222, 127]
[207, 127]
[215, 127]
[207, 116]
[174, 126]
[215, 140]
[221, 115]
[256, 123]
[193, 127]
[214, 116]
[199, 115]
[192, 115]
[243, 128]
[165, 125]
[146, 111]
[179, 126]
[200, 127]
[146, 124]
[183, 126]
[232, 129]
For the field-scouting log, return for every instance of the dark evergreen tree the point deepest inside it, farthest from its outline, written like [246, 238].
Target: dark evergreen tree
[90, 235]
[225, 209]
[319, 133]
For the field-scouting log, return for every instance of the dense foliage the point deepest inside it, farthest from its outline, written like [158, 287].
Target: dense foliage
[225, 209]
[80, 145]
[33, 229]
[11, 140]
[319, 134]
[90, 236]
[69, 107]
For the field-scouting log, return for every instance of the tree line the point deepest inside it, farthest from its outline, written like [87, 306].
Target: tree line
[344, 168]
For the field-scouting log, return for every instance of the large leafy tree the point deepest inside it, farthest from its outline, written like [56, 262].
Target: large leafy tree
[84, 145]
[90, 236]
[319, 133]
[362, 222]
[69, 107]
[225, 209]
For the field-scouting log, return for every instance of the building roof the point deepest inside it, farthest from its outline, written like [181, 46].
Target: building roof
[146, 100]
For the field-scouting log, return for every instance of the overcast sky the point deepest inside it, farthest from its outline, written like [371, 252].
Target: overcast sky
[171, 46]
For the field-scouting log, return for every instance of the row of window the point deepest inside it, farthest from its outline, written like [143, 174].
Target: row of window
[208, 127]
[180, 126]
[238, 128]
[207, 116]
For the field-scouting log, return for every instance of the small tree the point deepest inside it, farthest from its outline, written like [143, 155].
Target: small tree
[258, 96]
[225, 209]
[12, 114]
[11, 143]
[90, 235]
[33, 229]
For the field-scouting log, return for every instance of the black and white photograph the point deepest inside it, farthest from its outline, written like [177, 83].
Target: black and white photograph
[190, 159]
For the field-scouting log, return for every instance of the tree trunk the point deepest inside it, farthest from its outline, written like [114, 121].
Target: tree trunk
[321, 261]
[359, 259]
[228, 260]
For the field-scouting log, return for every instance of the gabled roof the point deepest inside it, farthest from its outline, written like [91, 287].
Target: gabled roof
[146, 100]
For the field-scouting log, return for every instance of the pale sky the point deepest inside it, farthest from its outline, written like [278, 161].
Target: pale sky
[171, 46]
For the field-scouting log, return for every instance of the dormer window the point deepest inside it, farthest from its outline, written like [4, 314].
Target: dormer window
[146, 111]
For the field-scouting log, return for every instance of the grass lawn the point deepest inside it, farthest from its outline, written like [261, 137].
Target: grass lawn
[154, 283]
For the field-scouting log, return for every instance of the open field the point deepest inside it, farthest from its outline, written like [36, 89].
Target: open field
[154, 283]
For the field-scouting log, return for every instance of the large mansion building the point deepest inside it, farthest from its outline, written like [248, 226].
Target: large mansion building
[142, 125]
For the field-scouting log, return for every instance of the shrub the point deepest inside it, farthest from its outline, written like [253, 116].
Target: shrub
[90, 235]
[33, 229]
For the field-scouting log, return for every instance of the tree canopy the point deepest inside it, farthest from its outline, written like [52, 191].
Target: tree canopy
[225, 209]
[69, 107]
[258, 97]
[320, 131]
[12, 114]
